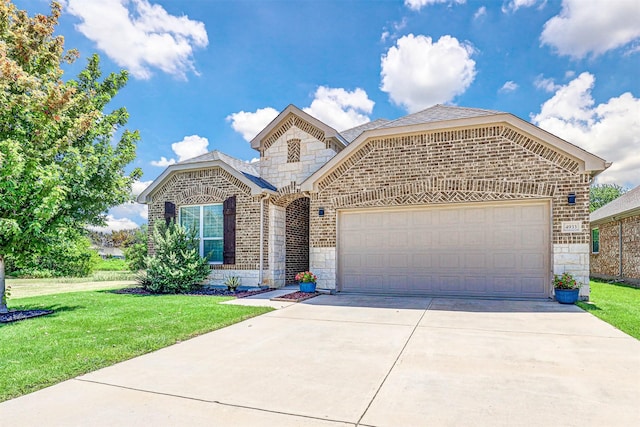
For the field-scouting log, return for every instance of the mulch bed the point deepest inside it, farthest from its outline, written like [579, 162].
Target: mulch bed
[296, 296]
[209, 292]
[14, 316]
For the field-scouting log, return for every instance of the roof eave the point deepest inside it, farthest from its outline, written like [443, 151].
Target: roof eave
[616, 216]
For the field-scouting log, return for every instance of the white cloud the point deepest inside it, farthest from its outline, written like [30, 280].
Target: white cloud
[140, 36]
[163, 162]
[508, 86]
[340, 108]
[419, 4]
[115, 224]
[139, 186]
[250, 124]
[592, 27]
[610, 130]
[190, 146]
[480, 13]
[417, 73]
[396, 27]
[546, 84]
[513, 5]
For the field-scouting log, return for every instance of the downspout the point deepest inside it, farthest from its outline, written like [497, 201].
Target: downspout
[261, 272]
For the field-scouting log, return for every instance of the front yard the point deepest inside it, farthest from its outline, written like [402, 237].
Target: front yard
[616, 304]
[91, 330]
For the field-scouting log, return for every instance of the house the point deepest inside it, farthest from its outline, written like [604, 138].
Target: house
[445, 201]
[108, 252]
[615, 239]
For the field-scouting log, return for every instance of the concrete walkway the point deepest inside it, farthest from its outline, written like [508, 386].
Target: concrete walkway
[350, 360]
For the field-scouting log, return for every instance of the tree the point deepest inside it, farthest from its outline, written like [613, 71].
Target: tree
[59, 167]
[601, 194]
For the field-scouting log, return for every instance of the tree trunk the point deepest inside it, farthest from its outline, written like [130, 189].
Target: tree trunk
[3, 306]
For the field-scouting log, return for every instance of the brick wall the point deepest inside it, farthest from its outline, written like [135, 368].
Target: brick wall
[297, 238]
[606, 263]
[482, 164]
[214, 185]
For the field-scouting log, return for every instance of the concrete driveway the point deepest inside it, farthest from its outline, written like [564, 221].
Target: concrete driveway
[370, 361]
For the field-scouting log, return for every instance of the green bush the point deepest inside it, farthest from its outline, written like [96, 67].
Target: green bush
[65, 257]
[112, 264]
[135, 255]
[176, 266]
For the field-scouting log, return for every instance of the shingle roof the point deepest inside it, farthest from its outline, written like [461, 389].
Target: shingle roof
[625, 203]
[250, 170]
[351, 134]
[439, 113]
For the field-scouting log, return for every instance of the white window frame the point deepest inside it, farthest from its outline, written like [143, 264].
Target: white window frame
[201, 239]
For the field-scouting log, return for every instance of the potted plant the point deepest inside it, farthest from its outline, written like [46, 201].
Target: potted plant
[232, 283]
[566, 288]
[307, 281]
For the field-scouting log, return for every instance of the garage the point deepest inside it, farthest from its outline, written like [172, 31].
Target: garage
[498, 249]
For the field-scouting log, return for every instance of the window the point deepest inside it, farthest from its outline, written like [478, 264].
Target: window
[595, 240]
[293, 150]
[208, 222]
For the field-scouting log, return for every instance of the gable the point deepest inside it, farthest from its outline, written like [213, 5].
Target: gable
[504, 128]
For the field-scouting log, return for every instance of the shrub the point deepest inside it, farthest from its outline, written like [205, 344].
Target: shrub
[176, 266]
[135, 255]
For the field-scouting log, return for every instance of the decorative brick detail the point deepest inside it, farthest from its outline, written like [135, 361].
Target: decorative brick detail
[297, 238]
[288, 123]
[606, 263]
[541, 150]
[214, 185]
[437, 190]
[293, 150]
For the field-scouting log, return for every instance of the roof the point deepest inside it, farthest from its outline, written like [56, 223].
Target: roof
[624, 205]
[351, 134]
[439, 113]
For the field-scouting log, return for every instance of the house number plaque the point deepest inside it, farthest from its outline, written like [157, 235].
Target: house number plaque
[571, 226]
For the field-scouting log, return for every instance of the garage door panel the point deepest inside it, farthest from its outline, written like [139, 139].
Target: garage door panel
[493, 250]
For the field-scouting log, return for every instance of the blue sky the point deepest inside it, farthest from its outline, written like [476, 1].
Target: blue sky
[210, 74]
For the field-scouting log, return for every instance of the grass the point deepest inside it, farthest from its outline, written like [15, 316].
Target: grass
[616, 304]
[100, 280]
[91, 330]
[112, 264]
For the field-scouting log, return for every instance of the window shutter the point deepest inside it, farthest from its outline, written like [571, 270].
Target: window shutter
[169, 212]
[229, 215]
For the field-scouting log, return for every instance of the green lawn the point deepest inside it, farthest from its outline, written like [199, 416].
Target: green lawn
[616, 304]
[112, 264]
[91, 330]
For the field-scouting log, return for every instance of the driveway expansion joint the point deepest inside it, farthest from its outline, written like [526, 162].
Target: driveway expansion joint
[216, 402]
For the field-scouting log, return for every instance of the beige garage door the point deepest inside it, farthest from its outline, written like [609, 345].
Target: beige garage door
[497, 250]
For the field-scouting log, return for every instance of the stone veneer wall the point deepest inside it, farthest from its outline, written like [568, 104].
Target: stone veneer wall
[297, 238]
[214, 185]
[488, 163]
[606, 263]
[275, 166]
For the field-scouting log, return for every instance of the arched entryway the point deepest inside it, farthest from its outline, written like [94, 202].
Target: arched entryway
[297, 238]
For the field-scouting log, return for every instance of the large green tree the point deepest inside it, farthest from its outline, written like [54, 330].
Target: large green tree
[601, 194]
[62, 159]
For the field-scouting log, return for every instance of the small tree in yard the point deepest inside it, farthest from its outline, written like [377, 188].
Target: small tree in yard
[176, 266]
[136, 249]
[59, 169]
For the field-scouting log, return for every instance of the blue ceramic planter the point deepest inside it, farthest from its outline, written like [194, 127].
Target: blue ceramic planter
[307, 287]
[567, 296]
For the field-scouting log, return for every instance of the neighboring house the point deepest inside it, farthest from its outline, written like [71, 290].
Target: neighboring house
[446, 201]
[108, 252]
[615, 239]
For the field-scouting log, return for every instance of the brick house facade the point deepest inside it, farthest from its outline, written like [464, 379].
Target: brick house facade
[615, 239]
[447, 201]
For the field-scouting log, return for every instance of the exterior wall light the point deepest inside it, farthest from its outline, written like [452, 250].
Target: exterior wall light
[571, 198]
[321, 212]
